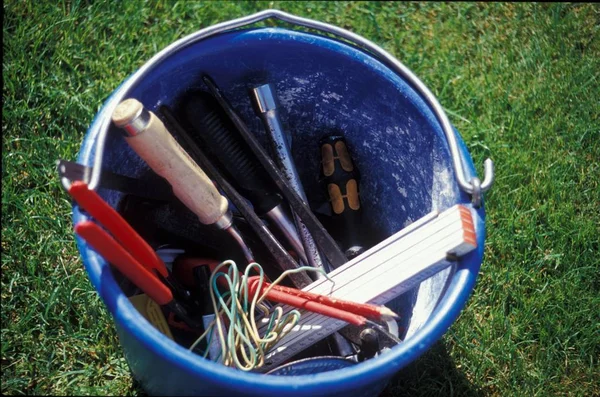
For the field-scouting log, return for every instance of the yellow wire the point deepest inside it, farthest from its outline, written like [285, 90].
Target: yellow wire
[243, 347]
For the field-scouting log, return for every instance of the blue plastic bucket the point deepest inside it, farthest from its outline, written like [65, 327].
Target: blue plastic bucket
[398, 145]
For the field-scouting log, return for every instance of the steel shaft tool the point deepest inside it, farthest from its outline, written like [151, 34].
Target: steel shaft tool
[210, 125]
[283, 258]
[322, 238]
[265, 104]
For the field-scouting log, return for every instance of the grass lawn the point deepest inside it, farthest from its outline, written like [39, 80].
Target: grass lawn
[521, 82]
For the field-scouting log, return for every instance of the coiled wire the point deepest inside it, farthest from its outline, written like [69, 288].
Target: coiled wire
[242, 346]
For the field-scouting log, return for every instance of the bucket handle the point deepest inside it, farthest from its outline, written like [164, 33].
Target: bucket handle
[475, 187]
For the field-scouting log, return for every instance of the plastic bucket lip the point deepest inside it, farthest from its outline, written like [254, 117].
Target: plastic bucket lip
[353, 377]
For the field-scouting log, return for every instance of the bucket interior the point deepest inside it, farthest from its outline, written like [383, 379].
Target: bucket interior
[324, 86]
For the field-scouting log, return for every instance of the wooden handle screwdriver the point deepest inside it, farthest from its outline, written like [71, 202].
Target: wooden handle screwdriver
[150, 139]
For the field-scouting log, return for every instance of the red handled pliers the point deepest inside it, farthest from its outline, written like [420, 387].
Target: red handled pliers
[127, 250]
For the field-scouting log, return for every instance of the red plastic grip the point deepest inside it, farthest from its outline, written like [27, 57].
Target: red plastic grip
[90, 201]
[114, 253]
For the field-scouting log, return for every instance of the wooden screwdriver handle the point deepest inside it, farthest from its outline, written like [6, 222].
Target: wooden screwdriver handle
[150, 139]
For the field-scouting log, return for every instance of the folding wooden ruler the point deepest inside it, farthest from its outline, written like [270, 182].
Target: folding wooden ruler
[382, 273]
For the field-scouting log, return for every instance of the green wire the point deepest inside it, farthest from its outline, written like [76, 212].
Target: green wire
[242, 340]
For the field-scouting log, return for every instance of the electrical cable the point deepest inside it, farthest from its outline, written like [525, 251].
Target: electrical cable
[242, 346]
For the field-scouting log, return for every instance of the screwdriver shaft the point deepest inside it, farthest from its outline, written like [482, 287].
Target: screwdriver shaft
[288, 229]
[235, 234]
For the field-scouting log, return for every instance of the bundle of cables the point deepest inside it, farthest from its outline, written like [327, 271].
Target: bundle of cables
[242, 346]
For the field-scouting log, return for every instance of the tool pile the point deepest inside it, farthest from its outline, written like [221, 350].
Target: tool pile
[312, 297]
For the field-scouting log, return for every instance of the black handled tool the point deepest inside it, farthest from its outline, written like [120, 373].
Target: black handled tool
[282, 257]
[209, 124]
[341, 179]
[322, 238]
[211, 127]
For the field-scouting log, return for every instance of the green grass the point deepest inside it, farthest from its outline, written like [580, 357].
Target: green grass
[521, 83]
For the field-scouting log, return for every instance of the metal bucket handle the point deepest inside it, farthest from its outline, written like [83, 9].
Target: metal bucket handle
[474, 187]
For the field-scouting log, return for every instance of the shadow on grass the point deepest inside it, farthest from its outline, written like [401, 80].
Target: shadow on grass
[136, 389]
[433, 374]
